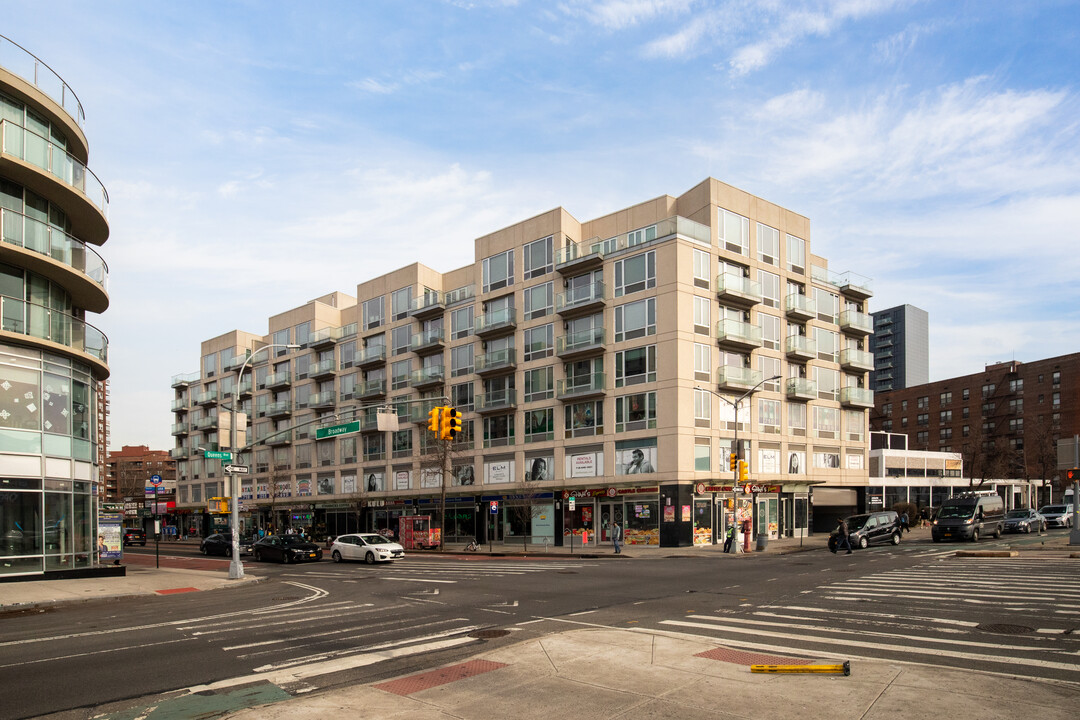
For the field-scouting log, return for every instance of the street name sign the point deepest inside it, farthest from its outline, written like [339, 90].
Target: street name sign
[335, 430]
[217, 455]
[237, 469]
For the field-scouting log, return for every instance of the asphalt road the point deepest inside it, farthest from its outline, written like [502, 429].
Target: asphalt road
[317, 625]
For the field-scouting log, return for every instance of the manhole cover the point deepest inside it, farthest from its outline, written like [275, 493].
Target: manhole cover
[489, 634]
[1002, 629]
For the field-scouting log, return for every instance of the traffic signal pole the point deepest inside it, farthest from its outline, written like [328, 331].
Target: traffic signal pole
[1074, 475]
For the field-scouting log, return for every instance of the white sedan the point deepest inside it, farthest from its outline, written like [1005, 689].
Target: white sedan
[369, 547]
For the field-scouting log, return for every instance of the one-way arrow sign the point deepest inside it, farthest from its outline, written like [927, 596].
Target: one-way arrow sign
[237, 469]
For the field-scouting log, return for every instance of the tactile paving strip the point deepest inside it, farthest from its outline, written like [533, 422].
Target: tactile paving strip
[435, 678]
[741, 657]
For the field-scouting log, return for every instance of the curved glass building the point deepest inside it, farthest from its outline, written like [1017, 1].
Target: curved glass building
[53, 218]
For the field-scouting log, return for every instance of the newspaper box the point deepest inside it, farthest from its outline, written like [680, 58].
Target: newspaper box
[415, 532]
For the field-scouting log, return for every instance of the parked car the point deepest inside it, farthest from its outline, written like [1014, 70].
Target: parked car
[870, 529]
[969, 516]
[1024, 520]
[369, 547]
[1057, 515]
[134, 535]
[221, 544]
[286, 548]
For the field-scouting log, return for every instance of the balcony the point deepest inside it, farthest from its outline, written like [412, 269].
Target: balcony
[579, 387]
[183, 381]
[427, 305]
[324, 337]
[244, 388]
[207, 397]
[234, 363]
[581, 343]
[180, 453]
[495, 401]
[51, 171]
[206, 423]
[800, 389]
[180, 428]
[738, 290]
[576, 258]
[736, 378]
[854, 285]
[738, 335]
[800, 307]
[497, 322]
[854, 322]
[496, 361]
[279, 438]
[279, 380]
[428, 342]
[323, 400]
[419, 412]
[371, 356]
[582, 300]
[369, 421]
[856, 397]
[800, 347]
[853, 359]
[426, 377]
[371, 389]
[323, 369]
[281, 408]
[180, 405]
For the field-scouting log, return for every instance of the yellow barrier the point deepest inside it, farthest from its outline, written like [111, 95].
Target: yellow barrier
[823, 669]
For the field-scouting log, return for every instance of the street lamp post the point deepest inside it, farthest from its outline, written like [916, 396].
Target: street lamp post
[236, 568]
[735, 406]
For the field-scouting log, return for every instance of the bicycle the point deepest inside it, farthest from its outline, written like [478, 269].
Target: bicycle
[472, 547]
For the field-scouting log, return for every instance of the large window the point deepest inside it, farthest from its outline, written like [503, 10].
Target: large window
[461, 396]
[636, 319]
[702, 269]
[498, 271]
[770, 288]
[374, 312]
[537, 258]
[827, 343]
[770, 330]
[461, 360]
[636, 365]
[400, 340]
[796, 254]
[635, 412]
[399, 374]
[828, 382]
[768, 244]
[734, 232]
[539, 342]
[702, 315]
[400, 302]
[584, 418]
[539, 384]
[539, 301]
[499, 430]
[635, 273]
[826, 422]
[539, 425]
[703, 402]
[281, 337]
[461, 322]
[828, 304]
[702, 362]
[768, 416]
[303, 333]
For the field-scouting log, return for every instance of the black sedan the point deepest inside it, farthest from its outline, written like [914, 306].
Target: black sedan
[134, 535]
[221, 544]
[286, 548]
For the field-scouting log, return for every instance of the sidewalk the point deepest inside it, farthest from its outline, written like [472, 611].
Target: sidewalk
[611, 673]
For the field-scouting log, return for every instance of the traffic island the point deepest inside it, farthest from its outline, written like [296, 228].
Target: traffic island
[988, 553]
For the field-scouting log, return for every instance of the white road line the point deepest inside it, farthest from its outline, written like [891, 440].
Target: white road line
[365, 636]
[847, 613]
[427, 580]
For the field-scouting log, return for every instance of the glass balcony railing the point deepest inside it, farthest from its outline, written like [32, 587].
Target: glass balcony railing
[427, 376]
[855, 321]
[428, 302]
[580, 341]
[581, 297]
[736, 378]
[587, 384]
[179, 404]
[20, 61]
[184, 379]
[278, 379]
[370, 355]
[495, 320]
[326, 367]
[738, 333]
[496, 400]
[325, 336]
[427, 339]
[26, 232]
[496, 360]
[801, 389]
[737, 287]
[30, 147]
[857, 359]
[38, 321]
[370, 388]
[801, 346]
[857, 396]
[800, 306]
[670, 227]
[323, 399]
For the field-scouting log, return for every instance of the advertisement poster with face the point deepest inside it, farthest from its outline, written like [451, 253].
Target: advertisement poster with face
[464, 475]
[373, 481]
[326, 485]
[430, 478]
[796, 464]
[635, 461]
[539, 469]
[499, 472]
[402, 479]
[827, 460]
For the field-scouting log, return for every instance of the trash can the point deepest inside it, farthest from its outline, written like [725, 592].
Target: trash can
[762, 541]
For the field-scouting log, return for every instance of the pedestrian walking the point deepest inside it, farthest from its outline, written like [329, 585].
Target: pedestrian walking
[905, 525]
[844, 539]
[616, 536]
[730, 538]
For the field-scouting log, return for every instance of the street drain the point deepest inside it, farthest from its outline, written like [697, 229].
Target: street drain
[489, 634]
[1002, 629]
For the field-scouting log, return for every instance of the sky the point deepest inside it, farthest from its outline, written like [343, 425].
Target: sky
[260, 154]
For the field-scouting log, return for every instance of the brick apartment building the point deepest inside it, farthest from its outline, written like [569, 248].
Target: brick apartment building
[1005, 421]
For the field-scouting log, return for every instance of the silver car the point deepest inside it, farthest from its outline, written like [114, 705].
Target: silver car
[1057, 515]
[1024, 520]
[369, 547]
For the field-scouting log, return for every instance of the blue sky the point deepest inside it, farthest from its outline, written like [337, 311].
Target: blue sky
[933, 145]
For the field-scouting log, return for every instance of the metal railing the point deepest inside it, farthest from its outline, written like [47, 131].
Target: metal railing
[20, 61]
[32, 148]
[26, 232]
[38, 321]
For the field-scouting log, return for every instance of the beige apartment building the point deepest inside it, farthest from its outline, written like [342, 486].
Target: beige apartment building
[615, 361]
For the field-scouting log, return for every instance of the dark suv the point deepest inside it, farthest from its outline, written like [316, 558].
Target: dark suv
[871, 529]
[134, 535]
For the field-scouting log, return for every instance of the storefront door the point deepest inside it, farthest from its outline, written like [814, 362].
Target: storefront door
[609, 512]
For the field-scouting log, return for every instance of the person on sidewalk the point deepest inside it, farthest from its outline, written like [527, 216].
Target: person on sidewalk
[730, 538]
[842, 533]
[905, 525]
[616, 536]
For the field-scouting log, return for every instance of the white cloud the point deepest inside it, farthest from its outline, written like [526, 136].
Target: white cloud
[621, 14]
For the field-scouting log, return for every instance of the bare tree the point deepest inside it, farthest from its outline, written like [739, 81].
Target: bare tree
[526, 506]
[1040, 451]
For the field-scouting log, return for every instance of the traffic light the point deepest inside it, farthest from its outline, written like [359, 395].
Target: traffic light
[1072, 475]
[451, 423]
[435, 419]
[744, 471]
[733, 461]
